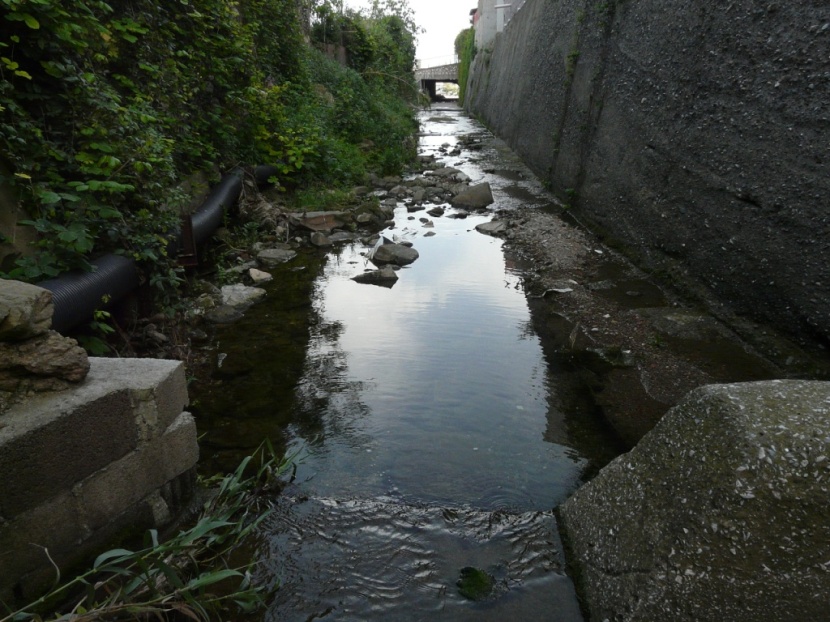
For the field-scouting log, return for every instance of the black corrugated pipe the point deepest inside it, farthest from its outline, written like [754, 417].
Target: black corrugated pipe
[76, 295]
[224, 195]
[209, 216]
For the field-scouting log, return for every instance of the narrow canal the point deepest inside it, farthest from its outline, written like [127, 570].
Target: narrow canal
[430, 431]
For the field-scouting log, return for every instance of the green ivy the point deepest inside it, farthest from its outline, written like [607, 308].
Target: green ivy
[465, 49]
[105, 106]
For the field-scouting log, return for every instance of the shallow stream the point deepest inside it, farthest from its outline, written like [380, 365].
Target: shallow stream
[430, 430]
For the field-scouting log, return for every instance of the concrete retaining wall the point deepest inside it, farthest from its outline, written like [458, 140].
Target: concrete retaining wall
[83, 467]
[692, 133]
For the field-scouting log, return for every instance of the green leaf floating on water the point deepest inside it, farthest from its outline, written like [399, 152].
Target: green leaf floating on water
[475, 584]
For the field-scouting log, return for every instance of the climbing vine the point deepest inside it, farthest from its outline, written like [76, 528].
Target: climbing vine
[107, 106]
[465, 49]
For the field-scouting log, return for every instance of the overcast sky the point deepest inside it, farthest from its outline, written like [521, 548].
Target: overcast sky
[442, 20]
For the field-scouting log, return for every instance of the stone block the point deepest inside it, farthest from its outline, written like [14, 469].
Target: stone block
[84, 468]
[59, 442]
[719, 513]
[48, 356]
[29, 540]
[38, 577]
[52, 442]
[140, 473]
[161, 384]
[25, 310]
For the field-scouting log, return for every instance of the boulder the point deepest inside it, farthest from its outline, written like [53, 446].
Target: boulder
[319, 221]
[223, 314]
[446, 172]
[719, 513]
[259, 277]
[241, 296]
[241, 268]
[385, 277]
[390, 181]
[48, 362]
[342, 236]
[432, 192]
[494, 227]
[272, 257]
[25, 310]
[397, 254]
[474, 197]
[321, 240]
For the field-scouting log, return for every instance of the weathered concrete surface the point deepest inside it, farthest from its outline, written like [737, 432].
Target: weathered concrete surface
[83, 466]
[719, 513]
[693, 133]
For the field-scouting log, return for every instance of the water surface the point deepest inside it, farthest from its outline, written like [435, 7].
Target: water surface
[431, 431]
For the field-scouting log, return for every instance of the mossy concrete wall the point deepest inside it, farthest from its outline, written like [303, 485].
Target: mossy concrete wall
[719, 513]
[692, 133]
[85, 466]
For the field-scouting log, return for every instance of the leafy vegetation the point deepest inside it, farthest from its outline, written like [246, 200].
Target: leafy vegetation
[106, 107]
[185, 577]
[465, 49]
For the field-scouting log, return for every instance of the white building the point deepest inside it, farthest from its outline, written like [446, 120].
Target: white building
[491, 17]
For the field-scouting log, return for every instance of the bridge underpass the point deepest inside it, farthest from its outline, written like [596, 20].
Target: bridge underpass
[429, 77]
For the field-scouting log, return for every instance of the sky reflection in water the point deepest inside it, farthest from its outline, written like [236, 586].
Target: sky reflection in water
[435, 390]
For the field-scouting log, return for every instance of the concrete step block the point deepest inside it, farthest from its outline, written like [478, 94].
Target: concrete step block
[108, 492]
[53, 441]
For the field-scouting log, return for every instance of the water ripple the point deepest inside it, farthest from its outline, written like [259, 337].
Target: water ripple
[380, 559]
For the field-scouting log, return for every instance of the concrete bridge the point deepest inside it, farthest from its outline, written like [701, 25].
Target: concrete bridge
[430, 76]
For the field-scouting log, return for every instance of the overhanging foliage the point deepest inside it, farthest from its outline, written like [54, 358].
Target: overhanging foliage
[105, 107]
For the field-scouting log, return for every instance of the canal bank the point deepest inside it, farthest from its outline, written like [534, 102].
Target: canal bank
[437, 423]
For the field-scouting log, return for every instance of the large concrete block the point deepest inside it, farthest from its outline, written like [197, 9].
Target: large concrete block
[52, 442]
[159, 387]
[40, 575]
[719, 513]
[138, 474]
[58, 441]
[31, 539]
